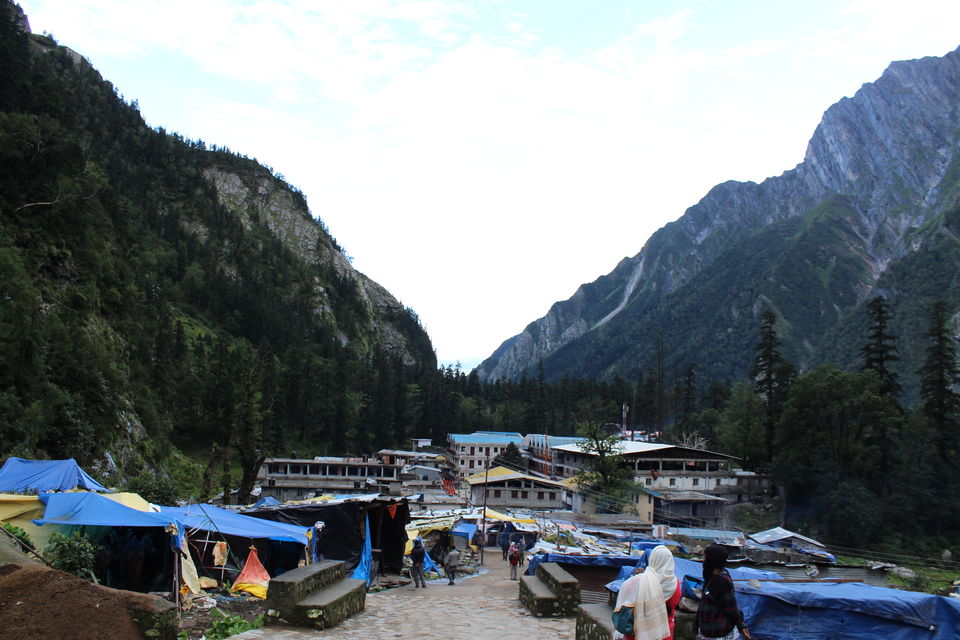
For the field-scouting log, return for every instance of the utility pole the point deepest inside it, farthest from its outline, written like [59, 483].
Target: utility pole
[483, 514]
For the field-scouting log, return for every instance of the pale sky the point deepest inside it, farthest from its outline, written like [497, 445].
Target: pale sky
[483, 159]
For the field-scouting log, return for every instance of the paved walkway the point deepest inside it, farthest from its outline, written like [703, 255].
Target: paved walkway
[483, 607]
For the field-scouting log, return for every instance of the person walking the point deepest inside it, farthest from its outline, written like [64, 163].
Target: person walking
[416, 571]
[513, 555]
[718, 615]
[504, 544]
[451, 564]
[661, 561]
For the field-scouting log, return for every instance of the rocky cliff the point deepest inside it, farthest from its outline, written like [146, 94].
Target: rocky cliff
[890, 154]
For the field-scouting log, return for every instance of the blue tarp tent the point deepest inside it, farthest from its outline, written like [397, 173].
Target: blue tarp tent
[42, 476]
[690, 573]
[269, 501]
[92, 509]
[210, 518]
[852, 610]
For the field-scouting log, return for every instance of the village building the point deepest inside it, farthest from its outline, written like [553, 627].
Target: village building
[509, 489]
[471, 452]
[538, 448]
[299, 479]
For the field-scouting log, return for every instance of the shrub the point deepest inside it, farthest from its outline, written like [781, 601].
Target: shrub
[73, 554]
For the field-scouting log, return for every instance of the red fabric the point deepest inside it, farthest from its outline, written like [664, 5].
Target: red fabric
[392, 510]
[672, 608]
[253, 572]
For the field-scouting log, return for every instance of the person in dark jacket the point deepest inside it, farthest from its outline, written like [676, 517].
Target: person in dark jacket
[718, 615]
[416, 571]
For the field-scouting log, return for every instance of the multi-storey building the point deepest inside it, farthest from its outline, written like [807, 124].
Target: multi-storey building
[471, 451]
[539, 449]
[509, 489]
[293, 479]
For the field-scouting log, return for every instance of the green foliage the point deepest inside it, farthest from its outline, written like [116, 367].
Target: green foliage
[72, 553]
[229, 625]
[155, 488]
[606, 480]
[20, 535]
[510, 458]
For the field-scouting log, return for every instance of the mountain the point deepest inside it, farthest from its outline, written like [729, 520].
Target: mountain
[872, 209]
[159, 296]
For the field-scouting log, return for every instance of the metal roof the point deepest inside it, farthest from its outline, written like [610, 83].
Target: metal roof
[485, 438]
[629, 447]
[705, 534]
[779, 533]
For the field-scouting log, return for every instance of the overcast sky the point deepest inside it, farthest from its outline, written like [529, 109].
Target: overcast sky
[483, 159]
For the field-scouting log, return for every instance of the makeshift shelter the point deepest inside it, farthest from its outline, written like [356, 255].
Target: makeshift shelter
[42, 476]
[215, 532]
[343, 536]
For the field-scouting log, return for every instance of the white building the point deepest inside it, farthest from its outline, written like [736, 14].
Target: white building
[472, 451]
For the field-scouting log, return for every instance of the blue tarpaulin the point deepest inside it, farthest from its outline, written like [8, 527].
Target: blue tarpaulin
[690, 573]
[92, 509]
[596, 561]
[464, 529]
[362, 571]
[269, 501]
[43, 476]
[210, 518]
[850, 610]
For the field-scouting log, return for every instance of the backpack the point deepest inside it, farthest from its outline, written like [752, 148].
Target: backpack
[623, 620]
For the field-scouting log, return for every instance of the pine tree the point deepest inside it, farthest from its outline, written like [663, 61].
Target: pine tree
[880, 350]
[939, 376]
[771, 373]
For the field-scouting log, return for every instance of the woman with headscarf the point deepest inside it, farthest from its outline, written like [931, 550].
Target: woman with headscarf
[647, 595]
[661, 561]
[718, 615]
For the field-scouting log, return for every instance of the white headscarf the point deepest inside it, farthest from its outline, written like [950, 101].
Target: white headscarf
[642, 592]
[661, 561]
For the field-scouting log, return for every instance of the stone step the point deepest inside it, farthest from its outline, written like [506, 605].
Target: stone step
[537, 597]
[595, 622]
[289, 588]
[561, 584]
[328, 607]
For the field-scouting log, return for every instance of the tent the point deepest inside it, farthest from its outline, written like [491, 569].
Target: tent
[850, 610]
[92, 509]
[41, 476]
[210, 518]
[345, 518]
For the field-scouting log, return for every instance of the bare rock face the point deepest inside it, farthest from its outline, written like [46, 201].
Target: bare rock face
[264, 199]
[887, 151]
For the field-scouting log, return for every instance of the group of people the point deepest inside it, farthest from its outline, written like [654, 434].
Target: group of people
[451, 564]
[648, 599]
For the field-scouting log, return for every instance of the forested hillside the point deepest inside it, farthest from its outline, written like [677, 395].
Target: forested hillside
[159, 297]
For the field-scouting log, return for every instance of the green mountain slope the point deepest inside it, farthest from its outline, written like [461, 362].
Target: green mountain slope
[154, 293]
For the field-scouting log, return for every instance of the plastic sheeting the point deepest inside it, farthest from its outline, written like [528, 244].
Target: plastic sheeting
[210, 518]
[254, 578]
[588, 561]
[41, 476]
[362, 570]
[850, 610]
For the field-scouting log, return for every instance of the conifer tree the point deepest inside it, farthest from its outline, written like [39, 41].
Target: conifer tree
[939, 376]
[771, 373]
[880, 350]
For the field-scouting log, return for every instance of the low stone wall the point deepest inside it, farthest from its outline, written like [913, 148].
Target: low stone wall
[537, 597]
[594, 622]
[291, 587]
[564, 586]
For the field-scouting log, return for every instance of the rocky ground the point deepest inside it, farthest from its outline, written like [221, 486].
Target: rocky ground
[482, 607]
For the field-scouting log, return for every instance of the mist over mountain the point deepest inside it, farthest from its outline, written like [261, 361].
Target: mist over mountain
[872, 209]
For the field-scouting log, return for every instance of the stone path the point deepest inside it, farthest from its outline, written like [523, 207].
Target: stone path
[482, 607]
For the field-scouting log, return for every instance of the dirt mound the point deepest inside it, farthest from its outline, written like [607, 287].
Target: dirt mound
[38, 602]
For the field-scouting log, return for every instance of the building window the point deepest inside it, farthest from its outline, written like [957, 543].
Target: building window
[496, 493]
[513, 494]
[539, 495]
[471, 464]
[649, 481]
[717, 482]
[696, 481]
[553, 495]
[649, 516]
[673, 482]
[523, 494]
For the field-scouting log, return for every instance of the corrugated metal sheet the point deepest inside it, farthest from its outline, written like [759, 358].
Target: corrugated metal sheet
[592, 581]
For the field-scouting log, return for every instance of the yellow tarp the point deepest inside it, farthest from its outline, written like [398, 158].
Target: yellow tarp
[132, 500]
[496, 515]
[19, 510]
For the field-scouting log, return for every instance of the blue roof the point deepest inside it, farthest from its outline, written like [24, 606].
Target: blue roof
[42, 476]
[485, 438]
[92, 509]
[210, 518]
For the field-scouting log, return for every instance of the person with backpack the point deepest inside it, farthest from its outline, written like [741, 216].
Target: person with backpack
[718, 615]
[513, 555]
